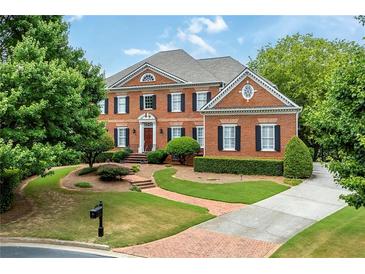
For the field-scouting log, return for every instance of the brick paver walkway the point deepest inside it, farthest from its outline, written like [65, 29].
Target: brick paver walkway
[202, 243]
[214, 207]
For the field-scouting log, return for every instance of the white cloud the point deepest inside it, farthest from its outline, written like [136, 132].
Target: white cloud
[135, 51]
[199, 24]
[196, 40]
[73, 18]
[241, 40]
[166, 46]
[166, 32]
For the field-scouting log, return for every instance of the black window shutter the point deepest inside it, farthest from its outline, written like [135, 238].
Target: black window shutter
[220, 138]
[258, 138]
[115, 104]
[127, 104]
[127, 137]
[116, 137]
[238, 138]
[182, 102]
[168, 134]
[153, 101]
[168, 102]
[182, 131]
[141, 102]
[209, 96]
[277, 138]
[106, 105]
[194, 133]
[194, 101]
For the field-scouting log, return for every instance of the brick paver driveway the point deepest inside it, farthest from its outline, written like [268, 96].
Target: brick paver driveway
[255, 230]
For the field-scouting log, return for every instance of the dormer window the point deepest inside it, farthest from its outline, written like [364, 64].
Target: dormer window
[148, 77]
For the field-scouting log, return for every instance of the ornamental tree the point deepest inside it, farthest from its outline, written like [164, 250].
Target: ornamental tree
[182, 147]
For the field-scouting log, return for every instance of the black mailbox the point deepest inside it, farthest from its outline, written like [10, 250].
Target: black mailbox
[97, 212]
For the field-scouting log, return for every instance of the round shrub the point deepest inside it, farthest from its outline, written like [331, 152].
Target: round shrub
[182, 147]
[156, 157]
[104, 157]
[298, 161]
[111, 173]
[120, 155]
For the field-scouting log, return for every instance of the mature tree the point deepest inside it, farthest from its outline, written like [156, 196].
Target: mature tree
[361, 19]
[302, 67]
[340, 127]
[182, 147]
[48, 90]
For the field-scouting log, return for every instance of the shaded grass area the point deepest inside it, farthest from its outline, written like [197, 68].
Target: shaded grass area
[292, 181]
[129, 217]
[340, 235]
[242, 192]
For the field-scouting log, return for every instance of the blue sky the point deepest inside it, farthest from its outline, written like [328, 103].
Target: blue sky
[116, 42]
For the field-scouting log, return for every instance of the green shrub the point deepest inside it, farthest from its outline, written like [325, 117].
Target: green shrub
[135, 168]
[298, 162]
[120, 155]
[156, 157]
[9, 180]
[182, 147]
[135, 188]
[86, 170]
[83, 185]
[128, 150]
[269, 167]
[104, 157]
[292, 181]
[111, 173]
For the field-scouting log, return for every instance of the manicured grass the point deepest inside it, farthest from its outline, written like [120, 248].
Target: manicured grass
[342, 234]
[292, 182]
[129, 217]
[242, 192]
[83, 185]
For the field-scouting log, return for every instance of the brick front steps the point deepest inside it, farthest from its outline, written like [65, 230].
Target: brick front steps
[137, 158]
[139, 181]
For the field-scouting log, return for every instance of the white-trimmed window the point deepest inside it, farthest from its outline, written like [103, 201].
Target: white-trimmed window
[229, 137]
[122, 104]
[200, 135]
[176, 102]
[148, 77]
[175, 132]
[267, 137]
[148, 101]
[101, 105]
[122, 136]
[201, 99]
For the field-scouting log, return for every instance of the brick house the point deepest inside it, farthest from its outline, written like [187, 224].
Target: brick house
[226, 107]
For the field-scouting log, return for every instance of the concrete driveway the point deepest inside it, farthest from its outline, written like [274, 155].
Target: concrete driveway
[256, 230]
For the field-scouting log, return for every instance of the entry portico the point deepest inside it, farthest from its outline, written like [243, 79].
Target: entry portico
[147, 123]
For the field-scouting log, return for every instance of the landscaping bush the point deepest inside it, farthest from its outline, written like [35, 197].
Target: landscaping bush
[120, 155]
[83, 185]
[104, 157]
[111, 173]
[9, 180]
[182, 147]
[135, 168]
[156, 157]
[269, 167]
[135, 188]
[86, 170]
[298, 162]
[292, 181]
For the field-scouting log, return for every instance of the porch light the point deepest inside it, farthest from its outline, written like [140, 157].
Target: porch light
[161, 131]
[134, 131]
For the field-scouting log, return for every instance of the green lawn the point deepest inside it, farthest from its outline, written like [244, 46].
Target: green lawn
[342, 234]
[242, 192]
[130, 217]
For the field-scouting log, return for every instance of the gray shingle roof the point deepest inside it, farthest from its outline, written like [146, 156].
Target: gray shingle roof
[181, 64]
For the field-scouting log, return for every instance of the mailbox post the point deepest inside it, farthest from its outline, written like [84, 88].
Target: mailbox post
[97, 212]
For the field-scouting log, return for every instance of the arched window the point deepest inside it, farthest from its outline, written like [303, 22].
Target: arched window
[148, 77]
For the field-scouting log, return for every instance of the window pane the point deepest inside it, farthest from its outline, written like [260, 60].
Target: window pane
[229, 138]
[176, 102]
[175, 132]
[122, 137]
[148, 101]
[121, 104]
[267, 137]
[201, 100]
[102, 106]
[200, 136]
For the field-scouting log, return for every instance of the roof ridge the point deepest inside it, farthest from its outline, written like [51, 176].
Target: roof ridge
[219, 57]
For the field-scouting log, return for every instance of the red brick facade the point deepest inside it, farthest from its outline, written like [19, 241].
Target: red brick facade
[189, 119]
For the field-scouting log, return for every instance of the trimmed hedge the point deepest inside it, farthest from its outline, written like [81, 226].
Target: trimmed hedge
[8, 182]
[111, 173]
[156, 157]
[298, 162]
[120, 155]
[247, 166]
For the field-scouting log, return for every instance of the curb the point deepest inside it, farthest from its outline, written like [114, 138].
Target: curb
[53, 242]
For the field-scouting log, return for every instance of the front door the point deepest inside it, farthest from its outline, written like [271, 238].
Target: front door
[148, 141]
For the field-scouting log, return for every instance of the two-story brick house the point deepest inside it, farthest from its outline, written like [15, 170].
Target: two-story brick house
[228, 108]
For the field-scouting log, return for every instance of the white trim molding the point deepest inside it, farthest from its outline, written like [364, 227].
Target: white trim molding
[261, 110]
[143, 67]
[143, 120]
[258, 79]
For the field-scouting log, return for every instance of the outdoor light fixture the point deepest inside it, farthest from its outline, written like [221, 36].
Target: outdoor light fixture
[97, 212]
[161, 131]
[134, 131]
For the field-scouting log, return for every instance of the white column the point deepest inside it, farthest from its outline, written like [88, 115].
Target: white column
[153, 136]
[141, 138]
